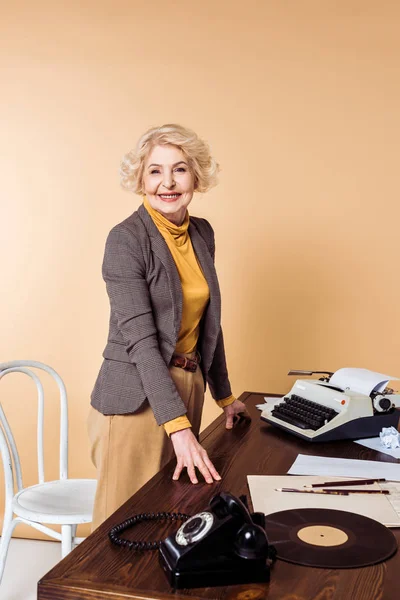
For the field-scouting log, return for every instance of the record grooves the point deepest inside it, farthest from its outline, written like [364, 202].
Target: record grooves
[334, 539]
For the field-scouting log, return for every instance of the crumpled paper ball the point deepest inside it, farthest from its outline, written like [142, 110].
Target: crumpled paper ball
[390, 437]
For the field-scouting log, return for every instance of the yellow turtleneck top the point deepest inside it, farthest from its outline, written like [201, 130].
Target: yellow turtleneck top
[195, 293]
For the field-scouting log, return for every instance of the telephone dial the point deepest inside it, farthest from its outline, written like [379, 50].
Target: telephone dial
[222, 545]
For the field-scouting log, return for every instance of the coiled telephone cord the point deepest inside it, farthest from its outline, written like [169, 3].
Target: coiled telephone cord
[114, 533]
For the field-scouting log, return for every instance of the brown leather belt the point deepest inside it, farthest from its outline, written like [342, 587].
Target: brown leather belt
[185, 363]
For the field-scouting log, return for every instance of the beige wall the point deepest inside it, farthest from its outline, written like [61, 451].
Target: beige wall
[300, 102]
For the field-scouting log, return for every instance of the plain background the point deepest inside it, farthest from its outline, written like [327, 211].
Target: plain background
[299, 101]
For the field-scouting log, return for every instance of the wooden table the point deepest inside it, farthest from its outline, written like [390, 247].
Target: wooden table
[98, 570]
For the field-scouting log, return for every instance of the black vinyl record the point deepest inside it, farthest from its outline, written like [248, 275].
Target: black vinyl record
[334, 539]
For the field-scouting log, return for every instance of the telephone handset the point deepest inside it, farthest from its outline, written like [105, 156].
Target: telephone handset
[222, 545]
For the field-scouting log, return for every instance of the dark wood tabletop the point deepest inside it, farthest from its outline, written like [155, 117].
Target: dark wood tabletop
[96, 569]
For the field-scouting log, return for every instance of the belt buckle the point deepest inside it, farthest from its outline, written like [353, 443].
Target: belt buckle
[185, 365]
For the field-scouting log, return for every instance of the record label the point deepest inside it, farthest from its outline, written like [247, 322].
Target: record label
[322, 535]
[334, 539]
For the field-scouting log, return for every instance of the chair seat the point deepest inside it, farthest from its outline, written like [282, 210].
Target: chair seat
[65, 501]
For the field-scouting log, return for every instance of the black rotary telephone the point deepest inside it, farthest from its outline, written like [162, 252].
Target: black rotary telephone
[222, 545]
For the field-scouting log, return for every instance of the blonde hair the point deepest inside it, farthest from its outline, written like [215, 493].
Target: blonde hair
[203, 165]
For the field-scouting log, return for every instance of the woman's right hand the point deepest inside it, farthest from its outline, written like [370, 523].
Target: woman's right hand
[190, 454]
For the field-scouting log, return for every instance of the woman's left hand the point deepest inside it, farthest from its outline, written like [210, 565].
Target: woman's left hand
[233, 412]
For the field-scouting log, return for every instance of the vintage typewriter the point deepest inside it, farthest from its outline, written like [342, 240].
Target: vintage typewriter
[318, 411]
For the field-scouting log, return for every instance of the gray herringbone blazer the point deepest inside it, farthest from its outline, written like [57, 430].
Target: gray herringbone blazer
[146, 309]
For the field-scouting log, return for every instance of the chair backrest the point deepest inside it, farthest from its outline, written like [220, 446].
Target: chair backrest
[8, 446]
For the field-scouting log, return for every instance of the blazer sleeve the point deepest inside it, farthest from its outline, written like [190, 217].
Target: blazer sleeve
[125, 276]
[217, 376]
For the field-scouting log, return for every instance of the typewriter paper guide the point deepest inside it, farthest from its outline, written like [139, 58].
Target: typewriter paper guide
[362, 381]
[266, 499]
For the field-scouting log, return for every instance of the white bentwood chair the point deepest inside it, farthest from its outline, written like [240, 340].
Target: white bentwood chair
[65, 502]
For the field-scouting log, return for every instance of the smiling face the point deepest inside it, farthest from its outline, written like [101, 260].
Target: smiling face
[168, 182]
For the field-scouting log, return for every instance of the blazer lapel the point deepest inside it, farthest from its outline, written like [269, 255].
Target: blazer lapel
[161, 250]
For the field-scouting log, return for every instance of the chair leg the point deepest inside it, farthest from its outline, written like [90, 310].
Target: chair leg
[66, 540]
[8, 529]
[73, 535]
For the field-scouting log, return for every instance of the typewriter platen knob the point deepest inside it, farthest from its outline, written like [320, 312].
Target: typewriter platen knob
[382, 403]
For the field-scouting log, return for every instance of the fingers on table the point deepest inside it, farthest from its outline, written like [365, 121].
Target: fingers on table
[212, 470]
[242, 417]
[202, 463]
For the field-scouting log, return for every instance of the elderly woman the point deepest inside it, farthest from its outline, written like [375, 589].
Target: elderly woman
[165, 340]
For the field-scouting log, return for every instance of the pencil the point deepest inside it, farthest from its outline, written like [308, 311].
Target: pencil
[350, 482]
[330, 491]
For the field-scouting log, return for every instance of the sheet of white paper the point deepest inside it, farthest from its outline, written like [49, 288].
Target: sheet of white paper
[362, 381]
[375, 444]
[344, 467]
[266, 499]
[270, 402]
[394, 498]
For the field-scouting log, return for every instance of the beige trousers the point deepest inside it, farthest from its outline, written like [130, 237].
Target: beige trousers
[127, 450]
